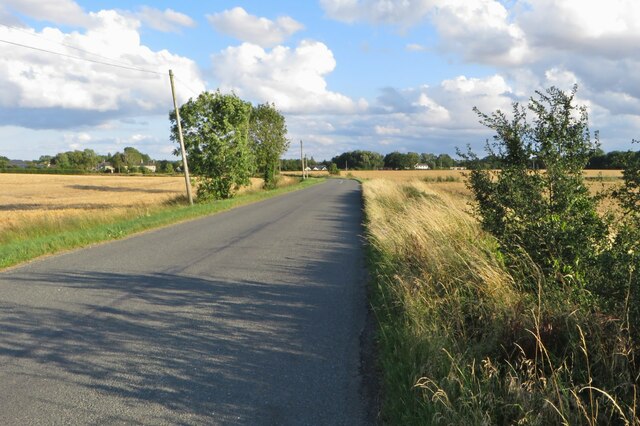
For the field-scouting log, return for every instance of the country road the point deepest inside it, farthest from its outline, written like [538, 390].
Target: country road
[252, 316]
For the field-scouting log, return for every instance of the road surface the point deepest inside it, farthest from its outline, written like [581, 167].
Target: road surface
[252, 316]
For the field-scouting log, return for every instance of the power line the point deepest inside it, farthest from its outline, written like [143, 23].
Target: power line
[80, 58]
[118, 63]
[70, 46]
[195, 93]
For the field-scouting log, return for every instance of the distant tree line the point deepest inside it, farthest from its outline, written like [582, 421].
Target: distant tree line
[612, 159]
[130, 160]
[369, 160]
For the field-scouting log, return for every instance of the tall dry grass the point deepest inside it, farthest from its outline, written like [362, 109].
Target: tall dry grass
[461, 342]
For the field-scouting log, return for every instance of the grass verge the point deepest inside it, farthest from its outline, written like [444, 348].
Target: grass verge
[45, 237]
[463, 340]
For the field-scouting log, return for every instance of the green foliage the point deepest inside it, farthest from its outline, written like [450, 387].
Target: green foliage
[130, 160]
[216, 128]
[399, 161]
[359, 160]
[268, 139]
[83, 160]
[333, 169]
[548, 215]
[611, 160]
[291, 164]
[620, 263]
[167, 167]
[445, 161]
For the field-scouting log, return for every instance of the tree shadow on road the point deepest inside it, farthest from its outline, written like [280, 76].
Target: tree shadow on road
[187, 344]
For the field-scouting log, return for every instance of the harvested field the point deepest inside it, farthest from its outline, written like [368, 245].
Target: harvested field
[453, 175]
[452, 182]
[27, 199]
[406, 175]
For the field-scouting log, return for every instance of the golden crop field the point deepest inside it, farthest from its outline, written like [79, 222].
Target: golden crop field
[403, 175]
[28, 198]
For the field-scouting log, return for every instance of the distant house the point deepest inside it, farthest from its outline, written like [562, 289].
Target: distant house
[150, 167]
[457, 168]
[316, 168]
[421, 166]
[106, 167]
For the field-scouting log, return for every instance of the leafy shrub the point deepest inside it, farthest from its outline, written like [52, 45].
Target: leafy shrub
[548, 215]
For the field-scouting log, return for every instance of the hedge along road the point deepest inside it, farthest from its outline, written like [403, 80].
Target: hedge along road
[251, 316]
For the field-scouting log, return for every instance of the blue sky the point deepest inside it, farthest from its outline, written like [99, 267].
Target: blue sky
[347, 74]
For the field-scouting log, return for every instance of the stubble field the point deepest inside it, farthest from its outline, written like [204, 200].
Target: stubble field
[26, 200]
[453, 183]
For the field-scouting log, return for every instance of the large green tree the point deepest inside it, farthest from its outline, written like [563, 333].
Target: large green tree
[216, 128]
[268, 139]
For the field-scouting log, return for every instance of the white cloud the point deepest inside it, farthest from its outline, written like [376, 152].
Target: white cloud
[435, 119]
[67, 91]
[403, 13]
[264, 32]
[415, 47]
[480, 30]
[386, 130]
[77, 138]
[58, 12]
[167, 20]
[610, 29]
[292, 78]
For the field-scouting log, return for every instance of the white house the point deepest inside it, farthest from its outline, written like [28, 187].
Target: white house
[421, 166]
[106, 167]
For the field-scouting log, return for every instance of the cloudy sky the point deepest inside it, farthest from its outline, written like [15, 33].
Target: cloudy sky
[382, 75]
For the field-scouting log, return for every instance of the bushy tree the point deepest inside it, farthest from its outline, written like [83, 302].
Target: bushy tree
[133, 157]
[430, 159]
[399, 161]
[83, 160]
[445, 161]
[359, 160]
[550, 215]
[291, 164]
[216, 128]
[268, 139]
[620, 263]
[394, 160]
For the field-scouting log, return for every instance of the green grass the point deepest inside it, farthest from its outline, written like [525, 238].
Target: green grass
[45, 238]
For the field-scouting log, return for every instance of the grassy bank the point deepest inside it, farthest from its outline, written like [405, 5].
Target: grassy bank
[461, 341]
[48, 235]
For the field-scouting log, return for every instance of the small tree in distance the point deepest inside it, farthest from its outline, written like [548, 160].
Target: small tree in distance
[268, 139]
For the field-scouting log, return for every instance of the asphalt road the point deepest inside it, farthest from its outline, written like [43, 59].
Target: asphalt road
[252, 316]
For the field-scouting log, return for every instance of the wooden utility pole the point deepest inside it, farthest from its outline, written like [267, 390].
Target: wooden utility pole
[302, 160]
[182, 150]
